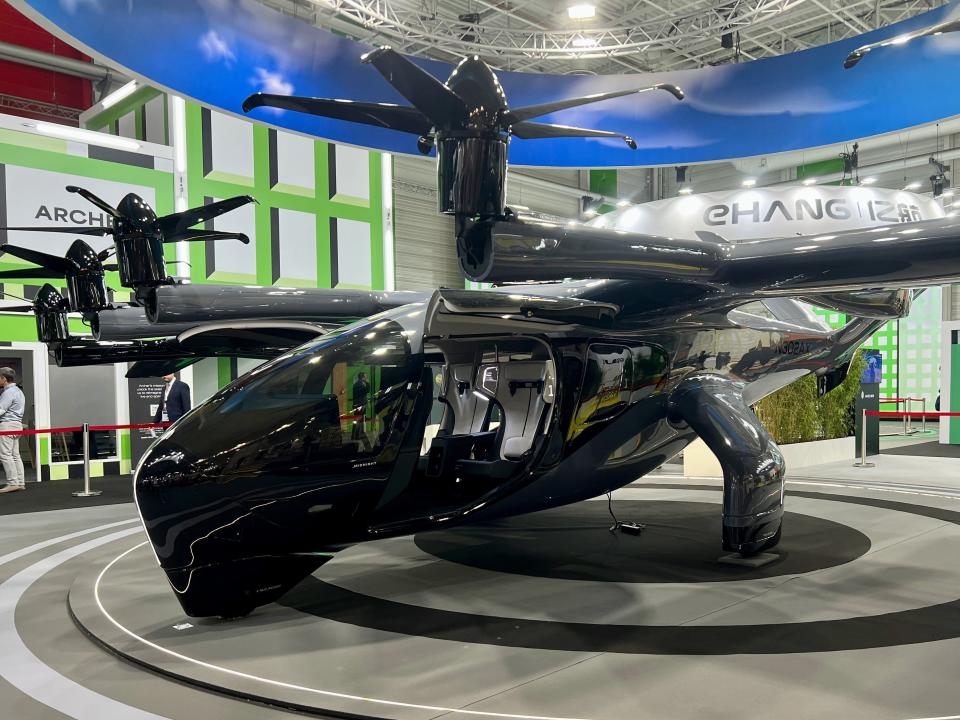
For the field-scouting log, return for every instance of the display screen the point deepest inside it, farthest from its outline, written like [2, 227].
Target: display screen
[873, 371]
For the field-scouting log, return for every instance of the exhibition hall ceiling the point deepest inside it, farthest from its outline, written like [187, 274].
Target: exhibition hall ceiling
[623, 35]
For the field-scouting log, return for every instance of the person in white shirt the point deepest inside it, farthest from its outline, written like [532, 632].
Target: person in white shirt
[12, 404]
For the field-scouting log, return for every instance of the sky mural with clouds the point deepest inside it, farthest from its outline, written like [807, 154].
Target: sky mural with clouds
[219, 51]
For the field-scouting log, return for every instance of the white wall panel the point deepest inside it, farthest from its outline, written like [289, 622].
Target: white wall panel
[155, 120]
[231, 145]
[352, 253]
[297, 246]
[127, 125]
[235, 257]
[294, 161]
[353, 172]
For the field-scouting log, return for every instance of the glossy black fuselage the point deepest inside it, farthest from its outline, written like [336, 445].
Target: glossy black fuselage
[262, 483]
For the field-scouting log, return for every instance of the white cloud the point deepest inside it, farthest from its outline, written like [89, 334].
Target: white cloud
[803, 101]
[214, 48]
[271, 82]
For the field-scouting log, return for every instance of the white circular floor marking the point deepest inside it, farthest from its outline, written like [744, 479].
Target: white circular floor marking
[24, 670]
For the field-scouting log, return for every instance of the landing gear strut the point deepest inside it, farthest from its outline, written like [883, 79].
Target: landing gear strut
[753, 467]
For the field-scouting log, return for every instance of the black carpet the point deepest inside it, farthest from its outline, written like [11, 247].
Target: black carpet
[925, 449]
[680, 544]
[56, 495]
[908, 627]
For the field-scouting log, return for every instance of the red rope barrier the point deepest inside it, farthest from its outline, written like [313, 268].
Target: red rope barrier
[891, 413]
[78, 428]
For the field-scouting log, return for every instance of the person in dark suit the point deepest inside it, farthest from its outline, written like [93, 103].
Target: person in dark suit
[175, 401]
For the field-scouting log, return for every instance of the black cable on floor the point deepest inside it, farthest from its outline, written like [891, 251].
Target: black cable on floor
[631, 528]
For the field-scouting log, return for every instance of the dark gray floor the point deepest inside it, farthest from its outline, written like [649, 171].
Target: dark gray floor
[58, 495]
[421, 627]
[925, 449]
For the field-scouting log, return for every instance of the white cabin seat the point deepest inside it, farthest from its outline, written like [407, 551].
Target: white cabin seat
[520, 394]
[469, 408]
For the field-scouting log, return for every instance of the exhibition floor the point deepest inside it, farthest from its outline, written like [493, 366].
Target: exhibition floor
[545, 616]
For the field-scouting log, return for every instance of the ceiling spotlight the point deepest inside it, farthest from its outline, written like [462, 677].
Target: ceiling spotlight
[810, 181]
[912, 186]
[623, 203]
[948, 193]
[685, 190]
[584, 42]
[749, 182]
[590, 212]
[581, 11]
[868, 181]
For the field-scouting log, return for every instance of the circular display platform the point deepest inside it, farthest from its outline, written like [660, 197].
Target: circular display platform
[552, 616]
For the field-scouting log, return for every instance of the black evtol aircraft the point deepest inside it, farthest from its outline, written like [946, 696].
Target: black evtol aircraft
[461, 405]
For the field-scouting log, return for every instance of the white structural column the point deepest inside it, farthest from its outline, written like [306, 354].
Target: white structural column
[386, 188]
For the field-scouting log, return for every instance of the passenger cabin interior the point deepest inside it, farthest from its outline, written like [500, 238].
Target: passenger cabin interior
[492, 401]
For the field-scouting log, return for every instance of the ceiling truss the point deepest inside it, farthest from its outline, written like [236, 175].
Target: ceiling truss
[625, 35]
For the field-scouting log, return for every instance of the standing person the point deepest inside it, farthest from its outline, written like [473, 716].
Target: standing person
[12, 404]
[361, 390]
[175, 402]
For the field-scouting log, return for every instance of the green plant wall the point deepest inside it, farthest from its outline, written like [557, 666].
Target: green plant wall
[795, 413]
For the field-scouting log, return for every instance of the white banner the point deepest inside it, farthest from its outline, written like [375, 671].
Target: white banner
[774, 212]
[38, 198]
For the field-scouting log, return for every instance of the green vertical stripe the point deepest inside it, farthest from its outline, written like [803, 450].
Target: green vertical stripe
[954, 393]
[604, 182]
[223, 372]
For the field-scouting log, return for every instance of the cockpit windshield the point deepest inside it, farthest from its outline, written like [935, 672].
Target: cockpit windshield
[334, 399]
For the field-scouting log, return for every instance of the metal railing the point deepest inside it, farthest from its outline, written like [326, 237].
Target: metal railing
[883, 413]
[86, 428]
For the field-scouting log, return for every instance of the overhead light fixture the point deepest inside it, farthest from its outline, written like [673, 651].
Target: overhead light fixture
[585, 42]
[623, 203]
[912, 186]
[749, 182]
[581, 11]
[688, 190]
[810, 181]
[868, 181]
[948, 193]
[590, 212]
[90, 137]
[124, 91]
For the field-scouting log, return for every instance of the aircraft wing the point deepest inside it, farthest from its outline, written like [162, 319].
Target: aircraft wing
[888, 257]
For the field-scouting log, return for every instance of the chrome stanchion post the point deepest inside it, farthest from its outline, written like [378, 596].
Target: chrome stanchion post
[908, 402]
[923, 418]
[863, 443]
[904, 419]
[86, 492]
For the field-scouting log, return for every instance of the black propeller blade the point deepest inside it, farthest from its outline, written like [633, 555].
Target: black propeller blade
[53, 263]
[532, 111]
[80, 230]
[173, 226]
[28, 273]
[438, 103]
[102, 204]
[393, 117]
[208, 235]
[861, 52]
[533, 131]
